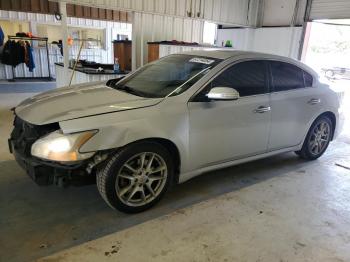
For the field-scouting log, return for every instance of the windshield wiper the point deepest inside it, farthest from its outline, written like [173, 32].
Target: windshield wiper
[113, 82]
[129, 90]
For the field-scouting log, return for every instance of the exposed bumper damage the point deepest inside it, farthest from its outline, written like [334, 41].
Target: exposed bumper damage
[46, 172]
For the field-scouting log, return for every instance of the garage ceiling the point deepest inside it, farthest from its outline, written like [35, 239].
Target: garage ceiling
[330, 9]
[272, 12]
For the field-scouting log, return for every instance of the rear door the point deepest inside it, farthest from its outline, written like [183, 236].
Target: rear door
[294, 102]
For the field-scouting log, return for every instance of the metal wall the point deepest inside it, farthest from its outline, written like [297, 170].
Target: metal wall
[98, 55]
[150, 27]
[326, 9]
[278, 40]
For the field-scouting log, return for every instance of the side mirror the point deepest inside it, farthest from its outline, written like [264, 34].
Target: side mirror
[223, 93]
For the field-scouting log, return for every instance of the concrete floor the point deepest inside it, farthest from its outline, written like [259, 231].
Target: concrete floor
[277, 209]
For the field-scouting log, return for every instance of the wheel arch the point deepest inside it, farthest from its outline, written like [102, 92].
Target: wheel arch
[332, 117]
[171, 147]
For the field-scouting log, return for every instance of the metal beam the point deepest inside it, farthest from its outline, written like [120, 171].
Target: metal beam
[306, 20]
[133, 43]
[260, 13]
[295, 13]
[64, 30]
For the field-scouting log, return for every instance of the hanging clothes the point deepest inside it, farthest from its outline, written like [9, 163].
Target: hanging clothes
[22, 49]
[30, 58]
[2, 37]
[13, 53]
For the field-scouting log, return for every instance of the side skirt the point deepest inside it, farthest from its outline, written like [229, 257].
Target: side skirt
[186, 176]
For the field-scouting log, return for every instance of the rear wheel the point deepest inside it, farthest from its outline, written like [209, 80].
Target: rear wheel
[137, 177]
[317, 139]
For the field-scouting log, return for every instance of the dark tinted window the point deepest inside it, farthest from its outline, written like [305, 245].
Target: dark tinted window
[248, 78]
[286, 76]
[308, 79]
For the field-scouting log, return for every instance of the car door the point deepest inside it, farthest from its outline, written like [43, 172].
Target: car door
[221, 131]
[294, 102]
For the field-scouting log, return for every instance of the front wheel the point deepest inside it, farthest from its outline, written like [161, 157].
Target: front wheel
[317, 139]
[330, 74]
[136, 177]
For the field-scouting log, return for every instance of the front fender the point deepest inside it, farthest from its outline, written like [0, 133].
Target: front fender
[118, 129]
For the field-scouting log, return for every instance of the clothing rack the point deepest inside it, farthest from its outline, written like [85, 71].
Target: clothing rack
[39, 39]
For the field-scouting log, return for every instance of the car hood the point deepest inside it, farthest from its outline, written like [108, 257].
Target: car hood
[78, 101]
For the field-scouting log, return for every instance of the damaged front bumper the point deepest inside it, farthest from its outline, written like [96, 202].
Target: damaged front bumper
[46, 173]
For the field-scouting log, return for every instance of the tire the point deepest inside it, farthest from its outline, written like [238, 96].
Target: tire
[127, 187]
[317, 139]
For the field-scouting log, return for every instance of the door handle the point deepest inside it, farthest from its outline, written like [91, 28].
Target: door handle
[314, 101]
[262, 109]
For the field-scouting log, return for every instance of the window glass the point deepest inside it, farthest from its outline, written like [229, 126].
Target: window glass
[171, 74]
[248, 78]
[286, 76]
[308, 79]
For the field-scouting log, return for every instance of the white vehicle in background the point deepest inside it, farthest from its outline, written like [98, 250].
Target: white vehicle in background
[174, 119]
[336, 73]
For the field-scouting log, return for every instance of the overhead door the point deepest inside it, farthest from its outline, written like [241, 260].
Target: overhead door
[330, 9]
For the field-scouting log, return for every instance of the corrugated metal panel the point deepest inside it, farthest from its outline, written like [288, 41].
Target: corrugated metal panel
[232, 12]
[170, 7]
[97, 55]
[148, 5]
[275, 40]
[216, 10]
[326, 9]
[181, 7]
[165, 50]
[159, 6]
[149, 27]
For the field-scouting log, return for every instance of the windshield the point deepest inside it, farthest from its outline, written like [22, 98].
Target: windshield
[170, 75]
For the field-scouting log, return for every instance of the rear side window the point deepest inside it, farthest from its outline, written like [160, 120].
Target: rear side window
[286, 76]
[248, 78]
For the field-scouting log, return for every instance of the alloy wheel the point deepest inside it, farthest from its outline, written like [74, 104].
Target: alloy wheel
[141, 179]
[319, 138]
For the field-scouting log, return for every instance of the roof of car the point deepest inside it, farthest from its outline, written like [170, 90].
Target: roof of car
[225, 53]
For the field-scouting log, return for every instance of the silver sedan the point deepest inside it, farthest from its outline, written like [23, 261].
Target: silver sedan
[174, 119]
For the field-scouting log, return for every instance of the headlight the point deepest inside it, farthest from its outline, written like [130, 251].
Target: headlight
[57, 146]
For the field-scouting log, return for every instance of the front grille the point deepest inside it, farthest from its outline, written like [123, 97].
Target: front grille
[25, 134]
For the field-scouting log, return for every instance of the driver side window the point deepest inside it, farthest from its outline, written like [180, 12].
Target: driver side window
[248, 78]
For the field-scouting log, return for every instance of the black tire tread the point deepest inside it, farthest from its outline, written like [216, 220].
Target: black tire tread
[102, 175]
[304, 152]
[103, 178]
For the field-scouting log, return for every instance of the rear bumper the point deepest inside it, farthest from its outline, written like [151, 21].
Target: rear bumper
[339, 125]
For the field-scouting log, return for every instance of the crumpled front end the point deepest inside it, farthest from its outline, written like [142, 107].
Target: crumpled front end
[43, 172]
